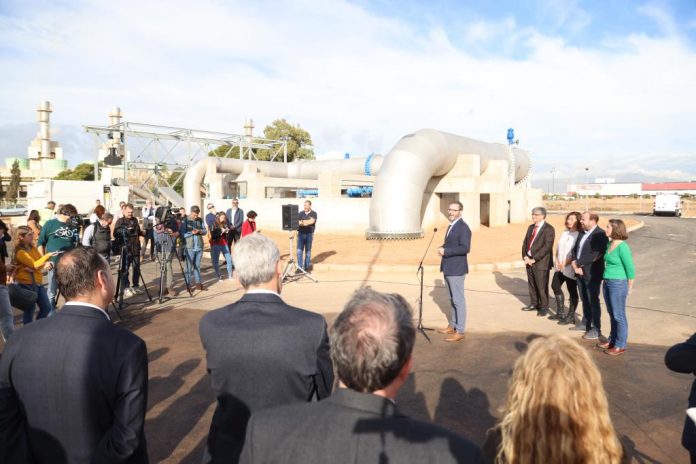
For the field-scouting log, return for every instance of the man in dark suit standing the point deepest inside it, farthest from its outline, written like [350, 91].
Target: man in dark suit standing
[260, 351]
[588, 263]
[371, 344]
[235, 216]
[74, 386]
[455, 266]
[537, 254]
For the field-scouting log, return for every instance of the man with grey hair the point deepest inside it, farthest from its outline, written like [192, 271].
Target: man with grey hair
[537, 254]
[260, 351]
[371, 345]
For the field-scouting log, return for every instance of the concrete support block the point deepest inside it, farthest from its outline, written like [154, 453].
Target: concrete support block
[519, 212]
[329, 184]
[498, 215]
[466, 166]
[472, 208]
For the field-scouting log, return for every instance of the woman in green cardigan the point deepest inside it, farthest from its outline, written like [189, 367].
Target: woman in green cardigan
[619, 273]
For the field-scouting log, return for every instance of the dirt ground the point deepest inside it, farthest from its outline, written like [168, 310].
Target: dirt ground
[489, 245]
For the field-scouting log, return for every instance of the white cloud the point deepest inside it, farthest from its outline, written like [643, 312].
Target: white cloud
[355, 80]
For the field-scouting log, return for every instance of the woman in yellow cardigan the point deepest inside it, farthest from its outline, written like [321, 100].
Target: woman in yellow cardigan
[29, 261]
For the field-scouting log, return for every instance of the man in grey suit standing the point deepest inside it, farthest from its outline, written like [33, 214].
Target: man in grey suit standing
[73, 387]
[371, 344]
[260, 351]
[455, 266]
[235, 216]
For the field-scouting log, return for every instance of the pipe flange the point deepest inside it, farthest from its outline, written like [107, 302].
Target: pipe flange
[372, 235]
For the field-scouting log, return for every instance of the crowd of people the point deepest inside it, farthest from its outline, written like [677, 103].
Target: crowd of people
[288, 387]
[589, 261]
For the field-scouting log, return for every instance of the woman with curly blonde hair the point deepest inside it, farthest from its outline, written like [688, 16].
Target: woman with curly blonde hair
[557, 410]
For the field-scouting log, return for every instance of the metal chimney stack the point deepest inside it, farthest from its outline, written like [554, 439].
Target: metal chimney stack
[249, 129]
[44, 117]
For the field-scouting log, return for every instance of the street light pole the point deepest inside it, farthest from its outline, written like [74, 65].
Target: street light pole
[587, 181]
[553, 181]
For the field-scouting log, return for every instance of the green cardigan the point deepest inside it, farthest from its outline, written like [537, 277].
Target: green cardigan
[618, 264]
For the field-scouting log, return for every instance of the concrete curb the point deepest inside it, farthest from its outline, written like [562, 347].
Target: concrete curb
[483, 267]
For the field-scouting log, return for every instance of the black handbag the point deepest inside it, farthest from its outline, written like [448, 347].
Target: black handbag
[22, 298]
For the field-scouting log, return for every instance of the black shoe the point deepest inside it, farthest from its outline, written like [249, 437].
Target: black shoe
[529, 308]
[542, 313]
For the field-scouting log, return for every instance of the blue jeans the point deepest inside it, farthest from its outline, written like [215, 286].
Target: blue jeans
[6, 315]
[304, 242]
[215, 256]
[45, 306]
[615, 293]
[193, 260]
[455, 287]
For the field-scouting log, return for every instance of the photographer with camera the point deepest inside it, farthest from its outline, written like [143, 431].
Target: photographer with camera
[127, 235]
[58, 234]
[98, 236]
[219, 231]
[166, 232]
[193, 230]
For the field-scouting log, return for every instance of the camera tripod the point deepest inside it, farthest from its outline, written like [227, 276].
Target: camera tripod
[292, 270]
[163, 253]
[123, 266]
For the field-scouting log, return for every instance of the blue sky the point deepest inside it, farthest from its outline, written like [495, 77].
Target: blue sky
[608, 85]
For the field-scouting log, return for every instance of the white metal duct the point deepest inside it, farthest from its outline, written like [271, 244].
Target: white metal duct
[395, 209]
[294, 170]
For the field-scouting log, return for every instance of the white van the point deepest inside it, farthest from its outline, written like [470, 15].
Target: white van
[667, 204]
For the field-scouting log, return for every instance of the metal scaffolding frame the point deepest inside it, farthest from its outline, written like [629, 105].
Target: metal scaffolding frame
[155, 156]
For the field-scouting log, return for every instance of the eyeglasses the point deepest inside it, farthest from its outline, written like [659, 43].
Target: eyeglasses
[211, 207]
[450, 209]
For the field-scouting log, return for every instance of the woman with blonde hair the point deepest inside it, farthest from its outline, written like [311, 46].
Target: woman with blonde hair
[29, 262]
[557, 410]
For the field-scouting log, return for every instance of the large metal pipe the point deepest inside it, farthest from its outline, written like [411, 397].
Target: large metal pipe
[295, 170]
[397, 199]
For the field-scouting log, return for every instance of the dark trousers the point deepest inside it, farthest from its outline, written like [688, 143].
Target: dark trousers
[591, 311]
[538, 282]
[149, 237]
[233, 236]
[571, 284]
[132, 260]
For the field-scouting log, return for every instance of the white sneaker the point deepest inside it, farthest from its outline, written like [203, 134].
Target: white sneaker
[127, 293]
[137, 290]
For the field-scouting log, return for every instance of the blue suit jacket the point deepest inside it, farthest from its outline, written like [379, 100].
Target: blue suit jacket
[237, 220]
[457, 245]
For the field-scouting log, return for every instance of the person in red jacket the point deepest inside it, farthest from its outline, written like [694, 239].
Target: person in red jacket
[249, 226]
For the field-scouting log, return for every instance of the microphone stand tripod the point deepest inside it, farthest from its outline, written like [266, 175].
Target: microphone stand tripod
[420, 272]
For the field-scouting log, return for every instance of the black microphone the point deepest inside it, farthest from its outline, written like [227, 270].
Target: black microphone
[435, 229]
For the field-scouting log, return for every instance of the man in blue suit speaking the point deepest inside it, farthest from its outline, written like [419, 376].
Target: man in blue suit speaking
[454, 266]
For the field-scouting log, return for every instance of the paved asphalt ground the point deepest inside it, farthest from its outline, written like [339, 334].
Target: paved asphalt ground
[460, 386]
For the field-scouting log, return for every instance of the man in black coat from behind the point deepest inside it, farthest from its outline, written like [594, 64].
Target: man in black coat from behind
[73, 387]
[682, 358]
[260, 351]
[371, 345]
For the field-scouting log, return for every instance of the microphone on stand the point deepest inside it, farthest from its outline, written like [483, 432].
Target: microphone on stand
[435, 229]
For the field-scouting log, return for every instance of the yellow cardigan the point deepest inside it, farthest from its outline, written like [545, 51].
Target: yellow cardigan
[30, 259]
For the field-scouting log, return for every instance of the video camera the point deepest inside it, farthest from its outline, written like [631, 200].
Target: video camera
[164, 214]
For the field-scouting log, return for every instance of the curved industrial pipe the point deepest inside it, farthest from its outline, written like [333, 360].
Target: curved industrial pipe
[395, 209]
[296, 170]
[140, 192]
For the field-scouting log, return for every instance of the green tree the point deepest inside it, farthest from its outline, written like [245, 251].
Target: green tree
[299, 143]
[15, 178]
[175, 176]
[83, 171]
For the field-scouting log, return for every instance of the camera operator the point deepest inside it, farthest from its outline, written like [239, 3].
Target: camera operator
[193, 230]
[98, 236]
[127, 234]
[58, 234]
[166, 232]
